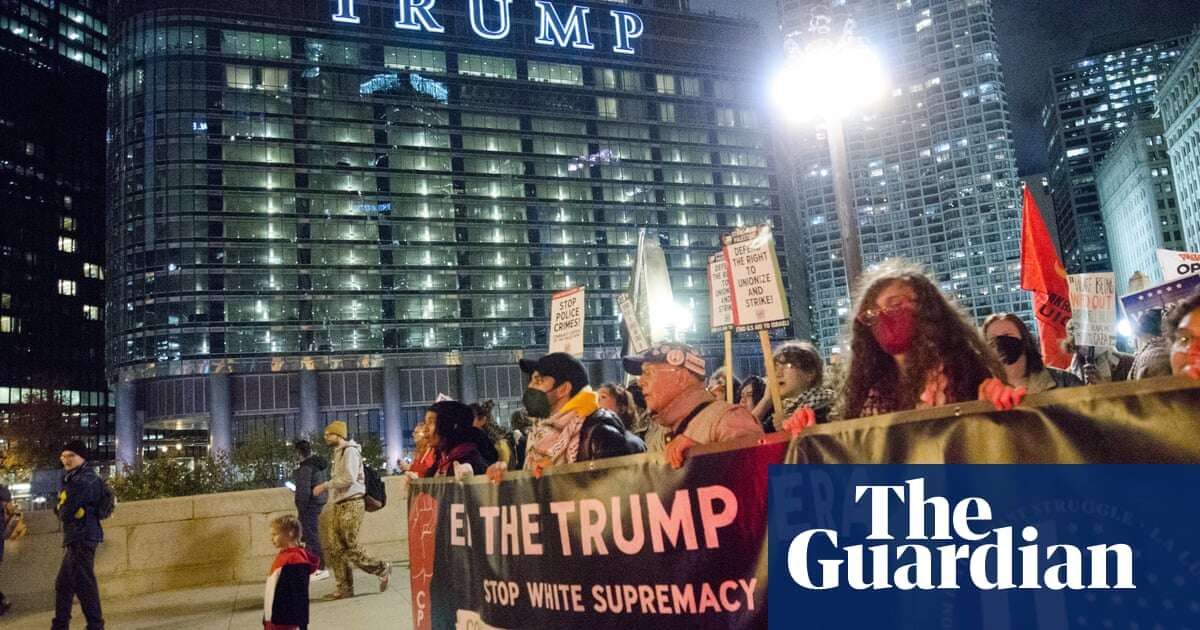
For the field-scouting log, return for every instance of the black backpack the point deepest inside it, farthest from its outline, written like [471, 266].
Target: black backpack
[376, 496]
[107, 503]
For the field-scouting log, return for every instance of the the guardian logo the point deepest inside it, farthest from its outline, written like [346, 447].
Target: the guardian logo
[992, 559]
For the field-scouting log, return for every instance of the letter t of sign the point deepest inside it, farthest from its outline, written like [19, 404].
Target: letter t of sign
[414, 15]
[627, 27]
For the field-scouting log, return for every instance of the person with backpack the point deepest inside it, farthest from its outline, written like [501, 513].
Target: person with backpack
[343, 514]
[83, 501]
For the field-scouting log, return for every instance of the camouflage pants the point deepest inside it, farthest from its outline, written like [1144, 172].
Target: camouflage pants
[340, 523]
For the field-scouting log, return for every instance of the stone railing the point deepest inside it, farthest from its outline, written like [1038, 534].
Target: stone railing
[183, 542]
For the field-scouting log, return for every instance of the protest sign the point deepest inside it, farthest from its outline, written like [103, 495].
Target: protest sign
[1161, 296]
[755, 282]
[635, 334]
[720, 305]
[1176, 265]
[566, 321]
[1093, 308]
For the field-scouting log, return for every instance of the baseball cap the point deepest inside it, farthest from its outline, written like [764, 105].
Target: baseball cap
[675, 354]
[560, 366]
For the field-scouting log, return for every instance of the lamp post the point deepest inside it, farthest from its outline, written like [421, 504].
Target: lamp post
[826, 80]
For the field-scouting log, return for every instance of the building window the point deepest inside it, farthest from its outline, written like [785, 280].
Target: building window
[664, 84]
[484, 66]
[66, 223]
[689, 86]
[66, 244]
[606, 107]
[414, 59]
[91, 312]
[9, 324]
[66, 287]
[5, 301]
[256, 78]
[95, 272]
[546, 72]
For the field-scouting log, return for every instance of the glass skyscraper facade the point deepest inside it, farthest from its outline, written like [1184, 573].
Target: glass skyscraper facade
[325, 209]
[1091, 101]
[52, 126]
[932, 164]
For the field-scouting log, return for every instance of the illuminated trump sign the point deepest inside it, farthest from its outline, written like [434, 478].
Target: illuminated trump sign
[492, 19]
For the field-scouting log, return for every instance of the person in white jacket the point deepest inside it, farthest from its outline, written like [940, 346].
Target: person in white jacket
[343, 514]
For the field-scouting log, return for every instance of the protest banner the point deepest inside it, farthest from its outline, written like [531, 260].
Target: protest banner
[756, 291]
[650, 546]
[1093, 308]
[1160, 296]
[1176, 265]
[720, 313]
[566, 321]
[635, 335]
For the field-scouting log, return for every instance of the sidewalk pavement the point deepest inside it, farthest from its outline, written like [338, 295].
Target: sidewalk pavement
[239, 607]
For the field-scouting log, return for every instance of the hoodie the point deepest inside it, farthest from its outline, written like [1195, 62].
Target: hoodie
[347, 480]
[285, 599]
[312, 471]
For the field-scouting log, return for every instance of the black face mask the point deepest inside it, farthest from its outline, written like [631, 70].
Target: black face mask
[1010, 349]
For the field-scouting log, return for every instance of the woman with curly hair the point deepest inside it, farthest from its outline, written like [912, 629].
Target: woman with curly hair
[911, 348]
[1182, 327]
[618, 400]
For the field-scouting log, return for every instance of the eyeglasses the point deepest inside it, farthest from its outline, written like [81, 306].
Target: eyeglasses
[897, 304]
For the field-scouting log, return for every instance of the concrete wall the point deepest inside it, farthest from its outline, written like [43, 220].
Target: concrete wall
[164, 544]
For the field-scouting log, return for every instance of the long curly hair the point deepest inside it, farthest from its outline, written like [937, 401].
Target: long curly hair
[944, 338]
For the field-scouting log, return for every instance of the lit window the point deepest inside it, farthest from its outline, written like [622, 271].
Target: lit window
[65, 222]
[91, 312]
[95, 272]
[66, 244]
[9, 324]
[66, 287]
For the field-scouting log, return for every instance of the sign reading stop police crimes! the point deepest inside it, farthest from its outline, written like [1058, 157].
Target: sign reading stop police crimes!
[720, 304]
[1093, 308]
[566, 322]
[1176, 265]
[755, 284]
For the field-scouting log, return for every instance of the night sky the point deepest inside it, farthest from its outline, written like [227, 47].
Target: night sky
[1035, 35]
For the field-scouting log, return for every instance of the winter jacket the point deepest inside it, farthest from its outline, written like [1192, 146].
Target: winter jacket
[81, 492]
[285, 600]
[310, 473]
[483, 442]
[347, 480]
[463, 453]
[580, 431]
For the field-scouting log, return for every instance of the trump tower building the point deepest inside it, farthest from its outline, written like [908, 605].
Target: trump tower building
[330, 209]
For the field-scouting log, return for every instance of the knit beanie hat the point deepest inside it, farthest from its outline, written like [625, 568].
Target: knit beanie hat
[338, 427]
[77, 447]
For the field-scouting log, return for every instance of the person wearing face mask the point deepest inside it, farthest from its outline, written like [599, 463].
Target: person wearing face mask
[684, 412]
[1018, 351]
[911, 348]
[570, 425]
[800, 374]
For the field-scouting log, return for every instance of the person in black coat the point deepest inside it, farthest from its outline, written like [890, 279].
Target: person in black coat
[78, 505]
[311, 471]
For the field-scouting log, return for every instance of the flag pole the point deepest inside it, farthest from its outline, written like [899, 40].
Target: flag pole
[764, 339]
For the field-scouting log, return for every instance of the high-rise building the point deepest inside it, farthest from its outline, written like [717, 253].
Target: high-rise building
[1138, 202]
[342, 210]
[932, 165]
[1179, 102]
[1091, 101]
[52, 132]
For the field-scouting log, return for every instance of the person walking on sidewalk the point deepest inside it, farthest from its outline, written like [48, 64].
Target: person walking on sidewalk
[78, 509]
[343, 515]
[311, 471]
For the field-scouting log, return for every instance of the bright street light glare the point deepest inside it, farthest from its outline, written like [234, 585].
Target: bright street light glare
[828, 80]
[1125, 328]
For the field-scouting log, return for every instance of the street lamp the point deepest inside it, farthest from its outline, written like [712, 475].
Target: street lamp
[827, 80]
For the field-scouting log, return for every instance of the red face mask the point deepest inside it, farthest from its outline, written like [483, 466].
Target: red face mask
[895, 329]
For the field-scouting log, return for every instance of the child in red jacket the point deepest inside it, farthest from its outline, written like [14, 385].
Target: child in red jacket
[285, 603]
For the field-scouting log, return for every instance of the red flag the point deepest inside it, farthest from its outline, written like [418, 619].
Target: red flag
[1042, 273]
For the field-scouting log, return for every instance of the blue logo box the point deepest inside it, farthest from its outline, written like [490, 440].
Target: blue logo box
[984, 547]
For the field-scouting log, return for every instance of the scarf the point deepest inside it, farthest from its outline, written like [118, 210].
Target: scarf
[556, 440]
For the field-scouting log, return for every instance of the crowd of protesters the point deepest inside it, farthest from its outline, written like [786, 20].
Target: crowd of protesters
[910, 347]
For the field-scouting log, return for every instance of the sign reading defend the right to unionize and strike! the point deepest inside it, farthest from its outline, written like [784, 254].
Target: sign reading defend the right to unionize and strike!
[755, 282]
[720, 302]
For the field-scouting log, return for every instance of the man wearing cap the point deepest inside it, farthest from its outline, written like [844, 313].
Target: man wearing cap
[343, 514]
[82, 491]
[569, 424]
[685, 414]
